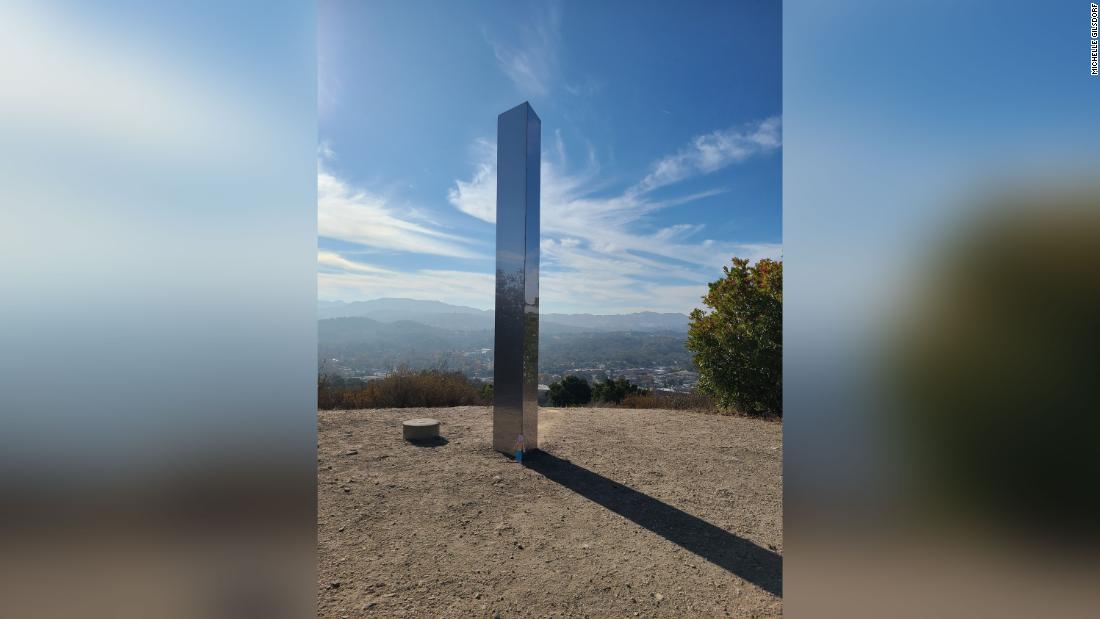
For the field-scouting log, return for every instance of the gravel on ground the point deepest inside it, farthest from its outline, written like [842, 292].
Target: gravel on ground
[623, 513]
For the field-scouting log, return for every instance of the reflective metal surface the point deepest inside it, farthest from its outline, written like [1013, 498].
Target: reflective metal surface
[516, 339]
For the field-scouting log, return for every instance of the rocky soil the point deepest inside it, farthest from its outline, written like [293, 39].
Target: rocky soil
[625, 513]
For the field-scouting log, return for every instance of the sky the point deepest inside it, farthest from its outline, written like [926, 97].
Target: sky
[661, 147]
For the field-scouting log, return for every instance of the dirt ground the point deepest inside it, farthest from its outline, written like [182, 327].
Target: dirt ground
[624, 513]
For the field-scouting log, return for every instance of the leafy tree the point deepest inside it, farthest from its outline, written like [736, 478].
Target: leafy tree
[738, 341]
[571, 391]
[615, 390]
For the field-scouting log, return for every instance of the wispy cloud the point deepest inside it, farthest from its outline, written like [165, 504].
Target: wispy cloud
[352, 280]
[333, 260]
[586, 87]
[713, 151]
[477, 196]
[600, 253]
[354, 214]
[325, 152]
[569, 209]
[532, 64]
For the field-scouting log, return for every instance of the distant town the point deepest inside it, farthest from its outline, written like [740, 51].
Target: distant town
[480, 367]
[369, 340]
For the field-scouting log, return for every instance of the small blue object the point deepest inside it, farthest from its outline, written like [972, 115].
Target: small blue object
[520, 446]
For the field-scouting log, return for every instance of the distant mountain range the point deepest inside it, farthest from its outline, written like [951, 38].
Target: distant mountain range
[364, 337]
[460, 318]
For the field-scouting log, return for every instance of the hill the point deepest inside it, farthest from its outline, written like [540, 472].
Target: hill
[458, 317]
[389, 307]
[371, 338]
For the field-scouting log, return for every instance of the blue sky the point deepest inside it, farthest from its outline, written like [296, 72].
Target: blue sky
[661, 146]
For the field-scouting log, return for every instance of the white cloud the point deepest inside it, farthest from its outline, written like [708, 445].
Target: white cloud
[325, 152]
[532, 64]
[353, 214]
[334, 260]
[714, 151]
[477, 197]
[599, 253]
[570, 211]
[593, 257]
[356, 281]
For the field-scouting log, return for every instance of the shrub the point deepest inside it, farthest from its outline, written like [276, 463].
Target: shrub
[329, 391]
[571, 391]
[738, 343]
[669, 400]
[402, 389]
[613, 391]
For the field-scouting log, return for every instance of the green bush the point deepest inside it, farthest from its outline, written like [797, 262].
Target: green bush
[738, 342]
[571, 391]
[613, 391]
